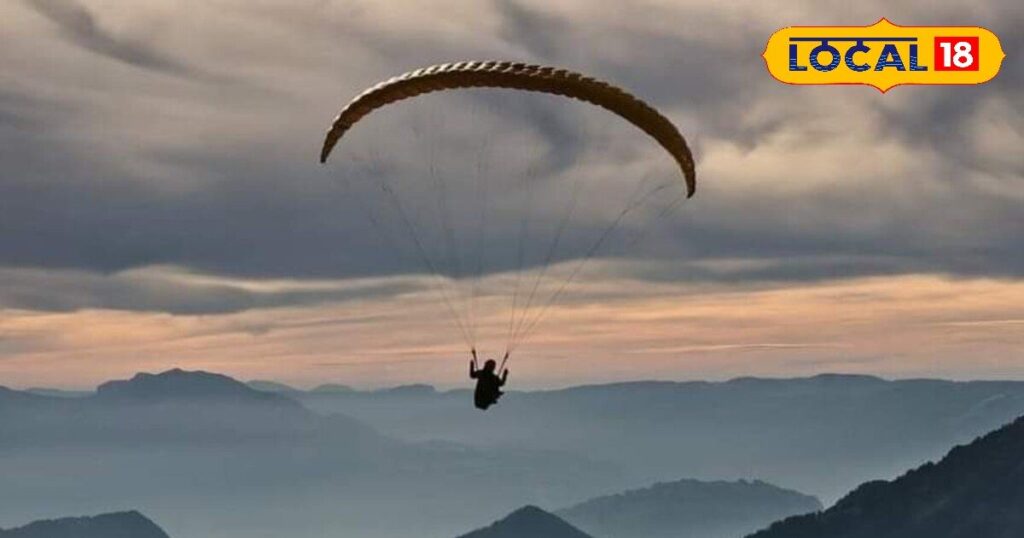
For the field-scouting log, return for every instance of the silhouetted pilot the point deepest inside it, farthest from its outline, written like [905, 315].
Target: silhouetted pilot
[488, 384]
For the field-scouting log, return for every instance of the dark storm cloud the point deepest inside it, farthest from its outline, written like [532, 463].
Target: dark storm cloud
[721, 79]
[712, 78]
[78, 25]
[248, 225]
[937, 119]
[223, 181]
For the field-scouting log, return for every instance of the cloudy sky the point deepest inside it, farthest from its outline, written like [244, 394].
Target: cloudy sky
[161, 204]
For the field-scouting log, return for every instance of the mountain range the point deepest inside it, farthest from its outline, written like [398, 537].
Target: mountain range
[821, 435]
[688, 508]
[206, 454]
[976, 490]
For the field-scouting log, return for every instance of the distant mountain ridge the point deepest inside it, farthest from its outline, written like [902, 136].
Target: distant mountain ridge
[976, 491]
[130, 524]
[821, 435]
[8, 396]
[337, 389]
[61, 393]
[176, 444]
[212, 438]
[331, 388]
[689, 508]
[273, 386]
[171, 408]
[178, 384]
[528, 522]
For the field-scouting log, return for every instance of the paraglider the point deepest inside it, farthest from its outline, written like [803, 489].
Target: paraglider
[488, 382]
[496, 75]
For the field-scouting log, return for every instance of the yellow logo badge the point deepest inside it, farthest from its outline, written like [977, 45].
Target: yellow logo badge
[883, 55]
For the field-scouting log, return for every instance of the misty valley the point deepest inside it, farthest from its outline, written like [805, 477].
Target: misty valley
[196, 454]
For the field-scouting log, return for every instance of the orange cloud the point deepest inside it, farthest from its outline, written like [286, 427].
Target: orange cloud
[918, 325]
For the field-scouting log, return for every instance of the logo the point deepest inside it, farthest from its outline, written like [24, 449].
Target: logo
[883, 55]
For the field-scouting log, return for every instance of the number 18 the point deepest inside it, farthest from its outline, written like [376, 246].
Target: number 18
[956, 53]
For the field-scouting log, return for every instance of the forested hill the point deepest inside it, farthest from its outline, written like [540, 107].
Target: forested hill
[976, 491]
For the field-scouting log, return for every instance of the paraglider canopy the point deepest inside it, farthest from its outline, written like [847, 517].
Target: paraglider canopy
[518, 76]
[447, 238]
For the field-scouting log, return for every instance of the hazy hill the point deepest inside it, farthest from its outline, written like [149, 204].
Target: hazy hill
[116, 525]
[9, 398]
[821, 435]
[43, 391]
[288, 390]
[976, 491]
[689, 508]
[528, 522]
[273, 386]
[179, 385]
[207, 455]
[171, 408]
[331, 388]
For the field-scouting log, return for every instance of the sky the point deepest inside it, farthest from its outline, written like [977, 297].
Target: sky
[161, 204]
